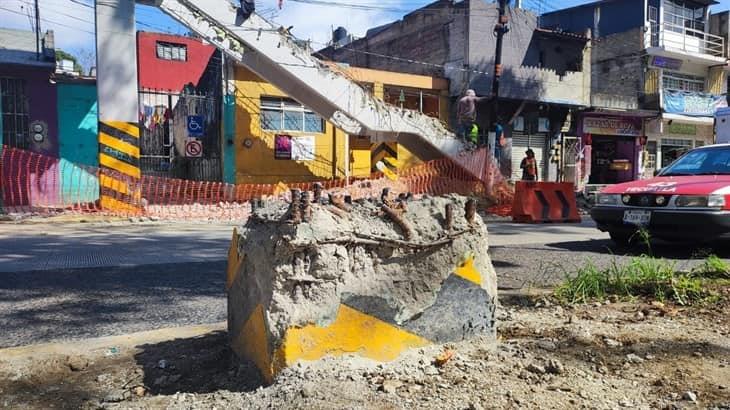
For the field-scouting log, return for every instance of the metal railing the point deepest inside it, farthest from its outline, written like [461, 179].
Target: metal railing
[678, 38]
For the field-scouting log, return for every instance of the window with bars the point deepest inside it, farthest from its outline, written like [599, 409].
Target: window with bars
[684, 14]
[683, 82]
[14, 106]
[172, 51]
[284, 114]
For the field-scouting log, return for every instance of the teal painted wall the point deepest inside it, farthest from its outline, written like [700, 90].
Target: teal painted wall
[78, 143]
[78, 124]
[78, 185]
[229, 139]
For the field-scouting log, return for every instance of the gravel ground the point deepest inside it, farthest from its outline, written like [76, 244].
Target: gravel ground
[599, 356]
[43, 306]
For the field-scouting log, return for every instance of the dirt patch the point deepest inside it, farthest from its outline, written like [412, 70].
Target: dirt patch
[632, 355]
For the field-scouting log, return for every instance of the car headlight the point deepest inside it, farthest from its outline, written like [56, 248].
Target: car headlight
[697, 201]
[608, 199]
[716, 201]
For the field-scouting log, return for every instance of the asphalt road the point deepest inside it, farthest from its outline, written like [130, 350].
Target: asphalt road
[61, 282]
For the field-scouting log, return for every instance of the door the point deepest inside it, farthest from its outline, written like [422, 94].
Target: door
[569, 159]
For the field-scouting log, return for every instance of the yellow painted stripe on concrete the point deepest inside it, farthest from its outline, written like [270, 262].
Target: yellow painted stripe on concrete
[351, 332]
[111, 204]
[115, 184]
[119, 145]
[117, 165]
[253, 343]
[467, 271]
[234, 260]
[131, 129]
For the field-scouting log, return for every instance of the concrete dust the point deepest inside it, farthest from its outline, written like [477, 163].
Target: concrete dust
[616, 355]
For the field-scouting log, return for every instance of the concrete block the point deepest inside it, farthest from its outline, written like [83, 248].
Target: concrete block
[348, 282]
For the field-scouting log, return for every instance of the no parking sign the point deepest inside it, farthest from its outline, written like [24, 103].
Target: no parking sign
[193, 149]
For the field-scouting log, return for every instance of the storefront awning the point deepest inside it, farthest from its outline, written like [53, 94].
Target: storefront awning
[688, 118]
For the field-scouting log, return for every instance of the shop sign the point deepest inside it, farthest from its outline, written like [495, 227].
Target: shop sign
[629, 127]
[666, 62]
[682, 128]
[692, 103]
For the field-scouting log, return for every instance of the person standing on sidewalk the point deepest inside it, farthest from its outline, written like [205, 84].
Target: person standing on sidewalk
[529, 166]
[466, 113]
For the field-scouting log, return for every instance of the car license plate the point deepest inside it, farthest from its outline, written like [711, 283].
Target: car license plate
[640, 218]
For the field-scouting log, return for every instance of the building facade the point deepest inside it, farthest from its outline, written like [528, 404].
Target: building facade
[659, 74]
[28, 105]
[546, 74]
[179, 78]
[277, 139]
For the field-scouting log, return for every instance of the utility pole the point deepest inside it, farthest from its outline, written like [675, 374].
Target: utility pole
[727, 91]
[37, 32]
[500, 29]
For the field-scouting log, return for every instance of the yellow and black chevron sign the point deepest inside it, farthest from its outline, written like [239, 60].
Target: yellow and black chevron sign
[119, 162]
[384, 151]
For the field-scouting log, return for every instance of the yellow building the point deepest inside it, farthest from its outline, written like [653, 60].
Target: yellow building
[279, 140]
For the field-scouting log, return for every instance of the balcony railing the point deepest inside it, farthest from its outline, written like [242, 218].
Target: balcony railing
[687, 40]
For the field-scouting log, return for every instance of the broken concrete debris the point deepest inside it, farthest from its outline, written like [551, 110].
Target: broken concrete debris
[366, 278]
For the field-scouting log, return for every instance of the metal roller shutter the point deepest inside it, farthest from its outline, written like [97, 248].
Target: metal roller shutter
[520, 143]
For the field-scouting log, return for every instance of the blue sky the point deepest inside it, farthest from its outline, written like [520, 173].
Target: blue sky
[72, 20]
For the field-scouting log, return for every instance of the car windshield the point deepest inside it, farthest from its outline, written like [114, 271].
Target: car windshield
[706, 161]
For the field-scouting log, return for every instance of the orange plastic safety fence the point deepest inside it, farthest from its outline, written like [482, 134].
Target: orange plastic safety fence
[34, 183]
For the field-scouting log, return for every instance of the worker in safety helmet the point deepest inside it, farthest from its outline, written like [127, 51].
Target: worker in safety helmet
[466, 113]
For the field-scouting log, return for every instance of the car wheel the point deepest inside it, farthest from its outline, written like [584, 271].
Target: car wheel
[621, 239]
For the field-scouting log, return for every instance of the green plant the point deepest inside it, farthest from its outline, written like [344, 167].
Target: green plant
[643, 236]
[713, 268]
[641, 276]
[588, 283]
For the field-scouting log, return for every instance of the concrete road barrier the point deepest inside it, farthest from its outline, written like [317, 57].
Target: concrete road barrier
[357, 280]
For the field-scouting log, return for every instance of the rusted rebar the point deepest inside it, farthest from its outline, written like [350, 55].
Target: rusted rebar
[306, 207]
[295, 210]
[400, 221]
[449, 217]
[317, 192]
[384, 195]
[470, 210]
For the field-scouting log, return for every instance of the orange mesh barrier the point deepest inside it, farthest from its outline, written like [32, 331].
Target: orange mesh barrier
[34, 183]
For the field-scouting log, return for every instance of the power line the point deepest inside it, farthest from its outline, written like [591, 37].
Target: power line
[47, 21]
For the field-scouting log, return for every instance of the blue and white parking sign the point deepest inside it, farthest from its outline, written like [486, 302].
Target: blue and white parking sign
[196, 125]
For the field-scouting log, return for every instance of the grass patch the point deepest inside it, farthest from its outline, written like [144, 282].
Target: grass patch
[713, 268]
[641, 276]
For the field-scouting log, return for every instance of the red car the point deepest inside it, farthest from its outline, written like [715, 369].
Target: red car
[687, 201]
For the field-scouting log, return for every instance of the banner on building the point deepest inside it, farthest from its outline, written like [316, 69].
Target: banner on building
[692, 103]
[302, 148]
[282, 146]
[622, 126]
